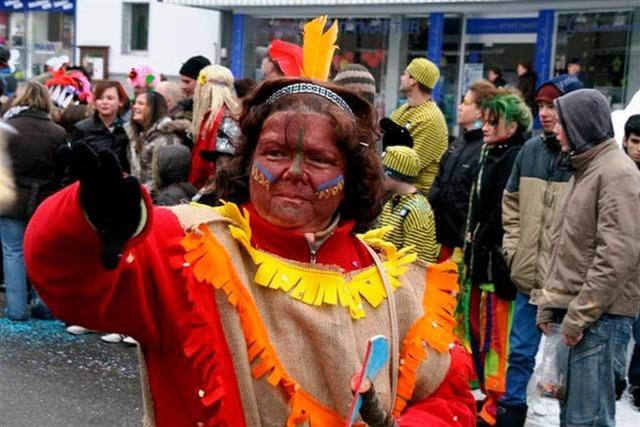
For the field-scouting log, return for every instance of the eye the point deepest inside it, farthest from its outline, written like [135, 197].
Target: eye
[275, 154]
[319, 160]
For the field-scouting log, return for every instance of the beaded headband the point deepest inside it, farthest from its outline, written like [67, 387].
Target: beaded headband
[312, 89]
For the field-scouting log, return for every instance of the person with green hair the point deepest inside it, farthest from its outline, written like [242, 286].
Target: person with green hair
[486, 305]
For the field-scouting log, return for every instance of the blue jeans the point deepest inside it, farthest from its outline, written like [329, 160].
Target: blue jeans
[15, 276]
[634, 366]
[523, 346]
[591, 399]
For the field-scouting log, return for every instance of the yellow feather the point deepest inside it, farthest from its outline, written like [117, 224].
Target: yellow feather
[318, 47]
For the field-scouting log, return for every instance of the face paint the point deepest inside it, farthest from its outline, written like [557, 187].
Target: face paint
[297, 161]
[261, 175]
[330, 188]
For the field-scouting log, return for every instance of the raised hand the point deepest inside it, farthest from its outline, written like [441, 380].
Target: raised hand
[111, 200]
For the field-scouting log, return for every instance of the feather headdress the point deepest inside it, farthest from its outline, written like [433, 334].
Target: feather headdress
[313, 60]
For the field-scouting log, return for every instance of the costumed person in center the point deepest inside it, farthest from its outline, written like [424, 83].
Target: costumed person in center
[486, 301]
[258, 312]
[215, 113]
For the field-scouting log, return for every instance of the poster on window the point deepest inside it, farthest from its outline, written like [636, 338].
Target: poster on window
[471, 74]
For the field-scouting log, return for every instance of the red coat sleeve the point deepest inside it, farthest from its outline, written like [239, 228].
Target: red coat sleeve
[452, 404]
[62, 256]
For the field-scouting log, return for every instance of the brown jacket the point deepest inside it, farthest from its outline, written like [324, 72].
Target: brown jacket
[594, 266]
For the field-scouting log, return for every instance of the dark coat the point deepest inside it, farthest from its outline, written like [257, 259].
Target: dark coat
[527, 87]
[93, 132]
[173, 165]
[485, 219]
[35, 157]
[449, 196]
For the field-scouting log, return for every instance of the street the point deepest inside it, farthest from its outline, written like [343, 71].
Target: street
[49, 377]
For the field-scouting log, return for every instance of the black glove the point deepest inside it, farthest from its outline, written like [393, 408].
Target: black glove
[372, 411]
[110, 200]
[394, 134]
[501, 275]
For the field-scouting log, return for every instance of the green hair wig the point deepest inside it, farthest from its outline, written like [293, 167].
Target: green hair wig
[512, 108]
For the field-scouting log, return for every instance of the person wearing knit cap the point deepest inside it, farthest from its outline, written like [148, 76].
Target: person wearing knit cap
[528, 206]
[408, 212]
[358, 78]
[188, 79]
[189, 74]
[422, 117]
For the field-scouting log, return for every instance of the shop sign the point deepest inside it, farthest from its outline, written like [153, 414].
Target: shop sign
[502, 25]
[47, 48]
[38, 5]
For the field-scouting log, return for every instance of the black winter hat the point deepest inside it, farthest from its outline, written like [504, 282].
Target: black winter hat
[192, 67]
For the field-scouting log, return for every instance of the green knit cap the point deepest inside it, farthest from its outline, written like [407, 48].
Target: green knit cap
[424, 71]
[401, 163]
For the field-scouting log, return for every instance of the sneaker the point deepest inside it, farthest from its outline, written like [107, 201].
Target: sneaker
[79, 330]
[129, 340]
[112, 338]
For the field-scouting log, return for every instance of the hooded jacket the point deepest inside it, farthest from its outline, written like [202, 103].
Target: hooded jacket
[594, 267]
[171, 175]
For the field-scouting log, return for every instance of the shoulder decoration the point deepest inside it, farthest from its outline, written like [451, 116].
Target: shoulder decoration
[317, 286]
[434, 329]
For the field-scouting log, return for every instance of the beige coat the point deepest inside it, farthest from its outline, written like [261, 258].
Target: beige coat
[594, 266]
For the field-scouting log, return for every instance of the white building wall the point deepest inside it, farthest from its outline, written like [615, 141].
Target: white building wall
[175, 34]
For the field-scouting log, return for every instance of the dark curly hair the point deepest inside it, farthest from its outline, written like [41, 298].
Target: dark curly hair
[355, 134]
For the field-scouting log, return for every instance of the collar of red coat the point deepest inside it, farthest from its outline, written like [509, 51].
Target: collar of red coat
[342, 248]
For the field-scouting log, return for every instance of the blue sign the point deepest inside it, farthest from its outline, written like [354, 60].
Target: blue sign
[502, 25]
[66, 6]
[434, 48]
[544, 42]
[237, 46]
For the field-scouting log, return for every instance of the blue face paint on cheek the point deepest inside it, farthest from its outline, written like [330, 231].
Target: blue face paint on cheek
[261, 175]
[330, 188]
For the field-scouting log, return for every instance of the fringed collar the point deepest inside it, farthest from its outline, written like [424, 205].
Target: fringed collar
[320, 284]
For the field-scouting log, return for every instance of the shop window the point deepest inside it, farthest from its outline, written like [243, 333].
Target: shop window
[417, 31]
[135, 27]
[601, 41]
[362, 41]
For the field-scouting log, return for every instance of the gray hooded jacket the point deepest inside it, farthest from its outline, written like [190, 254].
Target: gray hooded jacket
[594, 267]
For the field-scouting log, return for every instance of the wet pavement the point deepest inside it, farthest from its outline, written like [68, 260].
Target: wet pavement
[51, 378]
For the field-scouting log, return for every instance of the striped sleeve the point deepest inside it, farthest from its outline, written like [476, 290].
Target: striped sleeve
[419, 230]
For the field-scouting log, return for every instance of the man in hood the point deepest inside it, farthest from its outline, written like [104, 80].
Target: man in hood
[528, 207]
[592, 287]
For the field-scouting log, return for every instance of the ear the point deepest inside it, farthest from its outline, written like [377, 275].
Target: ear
[512, 128]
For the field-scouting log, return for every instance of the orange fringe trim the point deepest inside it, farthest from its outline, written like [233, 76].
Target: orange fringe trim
[434, 329]
[211, 264]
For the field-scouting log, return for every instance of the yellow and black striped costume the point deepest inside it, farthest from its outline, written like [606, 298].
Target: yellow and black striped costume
[412, 220]
[428, 129]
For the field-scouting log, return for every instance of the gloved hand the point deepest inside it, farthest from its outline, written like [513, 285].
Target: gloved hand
[371, 411]
[394, 134]
[111, 201]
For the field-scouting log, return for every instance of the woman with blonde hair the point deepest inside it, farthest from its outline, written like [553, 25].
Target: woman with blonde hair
[33, 152]
[215, 113]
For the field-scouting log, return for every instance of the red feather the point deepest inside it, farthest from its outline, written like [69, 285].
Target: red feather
[288, 56]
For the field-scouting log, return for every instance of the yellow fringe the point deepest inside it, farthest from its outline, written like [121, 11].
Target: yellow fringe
[315, 286]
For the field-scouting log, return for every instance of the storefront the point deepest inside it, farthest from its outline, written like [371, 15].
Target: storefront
[35, 31]
[463, 37]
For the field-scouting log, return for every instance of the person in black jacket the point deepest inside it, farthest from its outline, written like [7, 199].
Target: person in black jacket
[34, 154]
[527, 79]
[487, 291]
[105, 128]
[449, 196]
